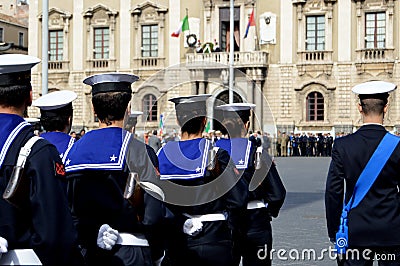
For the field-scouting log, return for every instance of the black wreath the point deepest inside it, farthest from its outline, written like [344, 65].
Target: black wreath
[191, 40]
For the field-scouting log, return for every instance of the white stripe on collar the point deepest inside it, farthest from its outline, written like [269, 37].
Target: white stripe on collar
[191, 176]
[246, 157]
[103, 166]
[10, 140]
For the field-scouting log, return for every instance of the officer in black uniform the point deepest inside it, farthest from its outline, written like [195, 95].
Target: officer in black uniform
[267, 194]
[56, 118]
[212, 196]
[41, 220]
[375, 223]
[97, 167]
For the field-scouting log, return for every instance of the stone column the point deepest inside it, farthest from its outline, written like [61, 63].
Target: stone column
[344, 21]
[78, 37]
[125, 36]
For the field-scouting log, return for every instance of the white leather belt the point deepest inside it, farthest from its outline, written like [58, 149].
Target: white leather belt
[20, 257]
[208, 217]
[126, 239]
[256, 204]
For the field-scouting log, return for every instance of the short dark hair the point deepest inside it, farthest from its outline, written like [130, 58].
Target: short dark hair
[111, 106]
[194, 125]
[373, 104]
[14, 96]
[235, 124]
[56, 120]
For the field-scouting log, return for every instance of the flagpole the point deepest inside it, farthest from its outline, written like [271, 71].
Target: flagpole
[231, 51]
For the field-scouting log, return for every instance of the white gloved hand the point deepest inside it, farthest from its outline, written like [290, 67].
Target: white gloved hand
[3, 246]
[192, 226]
[107, 237]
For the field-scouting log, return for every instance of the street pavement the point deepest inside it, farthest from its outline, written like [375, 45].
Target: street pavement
[300, 229]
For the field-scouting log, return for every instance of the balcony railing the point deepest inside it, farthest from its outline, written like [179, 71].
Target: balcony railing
[101, 63]
[375, 55]
[240, 59]
[149, 63]
[58, 65]
[375, 60]
[317, 57]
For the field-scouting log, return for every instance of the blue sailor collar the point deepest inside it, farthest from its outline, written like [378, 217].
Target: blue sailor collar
[62, 141]
[101, 149]
[183, 159]
[238, 148]
[11, 126]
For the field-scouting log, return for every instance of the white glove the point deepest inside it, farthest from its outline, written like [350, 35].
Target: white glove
[107, 237]
[3, 246]
[192, 226]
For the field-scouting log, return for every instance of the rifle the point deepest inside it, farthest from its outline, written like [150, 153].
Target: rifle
[134, 194]
[212, 160]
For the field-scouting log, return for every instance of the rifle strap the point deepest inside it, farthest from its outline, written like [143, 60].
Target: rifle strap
[26, 150]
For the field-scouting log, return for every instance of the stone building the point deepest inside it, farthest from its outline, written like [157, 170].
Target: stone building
[297, 64]
[13, 26]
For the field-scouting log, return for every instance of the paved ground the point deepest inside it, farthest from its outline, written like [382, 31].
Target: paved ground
[301, 225]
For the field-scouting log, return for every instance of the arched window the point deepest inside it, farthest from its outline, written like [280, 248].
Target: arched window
[315, 106]
[149, 108]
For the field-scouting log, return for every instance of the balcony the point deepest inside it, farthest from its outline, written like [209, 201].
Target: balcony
[149, 63]
[101, 64]
[58, 66]
[240, 59]
[375, 60]
[314, 62]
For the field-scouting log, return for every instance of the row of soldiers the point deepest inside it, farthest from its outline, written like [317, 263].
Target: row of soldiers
[304, 144]
[109, 199]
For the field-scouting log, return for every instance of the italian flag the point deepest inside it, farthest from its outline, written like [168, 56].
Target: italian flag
[184, 26]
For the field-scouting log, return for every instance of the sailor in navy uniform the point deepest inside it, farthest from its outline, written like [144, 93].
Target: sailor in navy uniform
[56, 118]
[201, 233]
[265, 197]
[97, 170]
[375, 223]
[43, 221]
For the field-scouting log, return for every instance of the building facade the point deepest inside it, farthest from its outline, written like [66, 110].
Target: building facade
[13, 26]
[298, 63]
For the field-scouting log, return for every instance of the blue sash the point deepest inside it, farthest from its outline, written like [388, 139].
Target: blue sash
[183, 159]
[100, 149]
[11, 126]
[238, 148]
[363, 185]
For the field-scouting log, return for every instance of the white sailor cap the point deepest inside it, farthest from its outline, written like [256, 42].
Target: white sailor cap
[111, 82]
[191, 102]
[235, 107]
[135, 113]
[189, 107]
[15, 69]
[374, 87]
[32, 120]
[55, 100]
[131, 120]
